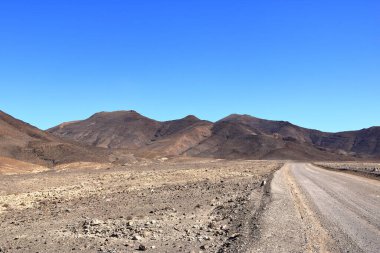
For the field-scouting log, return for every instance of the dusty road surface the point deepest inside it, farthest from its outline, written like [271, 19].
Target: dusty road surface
[317, 210]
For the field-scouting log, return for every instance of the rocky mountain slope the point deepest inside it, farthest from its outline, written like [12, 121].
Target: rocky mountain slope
[132, 131]
[242, 136]
[364, 142]
[236, 136]
[22, 141]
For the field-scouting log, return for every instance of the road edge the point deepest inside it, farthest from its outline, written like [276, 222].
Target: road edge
[241, 243]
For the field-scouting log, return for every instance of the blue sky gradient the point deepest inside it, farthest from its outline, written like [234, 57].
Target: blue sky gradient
[313, 63]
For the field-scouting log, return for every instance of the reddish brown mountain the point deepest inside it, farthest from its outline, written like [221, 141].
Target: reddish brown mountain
[291, 140]
[365, 142]
[120, 129]
[132, 131]
[177, 136]
[22, 141]
[243, 136]
[236, 136]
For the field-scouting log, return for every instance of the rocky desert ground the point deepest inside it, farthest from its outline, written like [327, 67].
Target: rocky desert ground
[371, 169]
[121, 182]
[183, 205]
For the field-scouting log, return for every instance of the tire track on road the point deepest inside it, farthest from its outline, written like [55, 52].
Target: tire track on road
[317, 238]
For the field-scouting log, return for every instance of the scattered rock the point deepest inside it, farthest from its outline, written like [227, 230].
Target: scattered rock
[175, 217]
[95, 222]
[142, 247]
[136, 237]
[203, 247]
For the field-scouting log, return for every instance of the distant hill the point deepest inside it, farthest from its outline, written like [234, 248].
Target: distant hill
[132, 131]
[364, 143]
[243, 136]
[22, 141]
[121, 129]
[177, 136]
[233, 137]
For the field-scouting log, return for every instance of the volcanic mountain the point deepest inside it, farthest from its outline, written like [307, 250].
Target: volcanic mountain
[21, 141]
[236, 136]
[364, 142]
[131, 131]
[243, 136]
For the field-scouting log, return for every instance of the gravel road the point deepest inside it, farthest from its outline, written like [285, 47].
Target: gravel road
[350, 204]
[317, 210]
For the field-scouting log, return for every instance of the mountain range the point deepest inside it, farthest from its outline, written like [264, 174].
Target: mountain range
[233, 137]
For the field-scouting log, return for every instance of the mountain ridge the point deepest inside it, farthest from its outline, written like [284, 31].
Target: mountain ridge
[234, 136]
[237, 136]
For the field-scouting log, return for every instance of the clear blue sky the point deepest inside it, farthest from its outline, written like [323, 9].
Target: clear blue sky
[315, 63]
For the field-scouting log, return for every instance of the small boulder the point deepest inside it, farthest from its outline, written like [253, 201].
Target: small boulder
[142, 247]
[136, 237]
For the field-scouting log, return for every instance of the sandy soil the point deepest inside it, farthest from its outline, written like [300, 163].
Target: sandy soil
[162, 206]
[9, 166]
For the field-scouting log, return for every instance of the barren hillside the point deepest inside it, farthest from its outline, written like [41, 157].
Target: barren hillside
[22, 141]
[132, 131]
[236, 136]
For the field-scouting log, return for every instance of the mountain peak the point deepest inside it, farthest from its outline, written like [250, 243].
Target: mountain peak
[191, 118]
[116, 113]
[236, 116]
